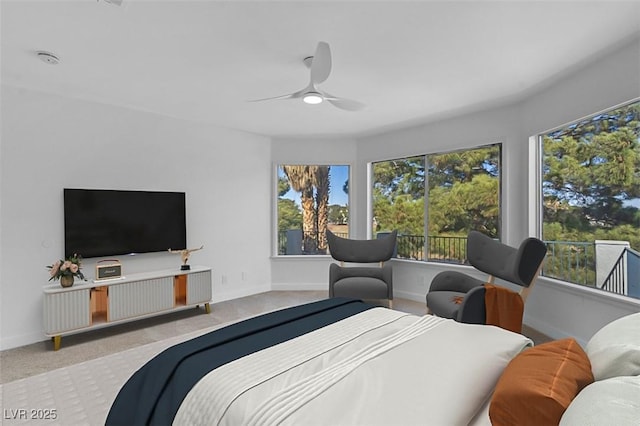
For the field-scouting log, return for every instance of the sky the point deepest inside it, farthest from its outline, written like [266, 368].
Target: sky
[338, 175]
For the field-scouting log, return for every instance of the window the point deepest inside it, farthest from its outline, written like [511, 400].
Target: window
[398, 203]
[311, 199]
[590, 190]
[447, 194]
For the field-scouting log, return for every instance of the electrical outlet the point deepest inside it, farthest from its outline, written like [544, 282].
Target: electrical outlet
[244, 276]
[224, 279]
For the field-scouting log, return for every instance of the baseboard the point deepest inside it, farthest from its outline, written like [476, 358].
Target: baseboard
[222, 296]
[22, 340]
[415, 297]
[300, 287]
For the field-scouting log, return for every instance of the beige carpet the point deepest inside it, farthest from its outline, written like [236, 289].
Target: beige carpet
[77, 384]
[80, 394]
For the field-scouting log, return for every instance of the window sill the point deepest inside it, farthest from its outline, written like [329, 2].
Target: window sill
[301, 256]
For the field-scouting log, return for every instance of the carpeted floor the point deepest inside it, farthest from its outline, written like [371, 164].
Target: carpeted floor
[84, 376]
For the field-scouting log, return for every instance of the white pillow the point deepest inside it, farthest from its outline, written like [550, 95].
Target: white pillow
[615, 349]
[613, 401]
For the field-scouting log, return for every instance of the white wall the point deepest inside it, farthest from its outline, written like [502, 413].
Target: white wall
[50, 142]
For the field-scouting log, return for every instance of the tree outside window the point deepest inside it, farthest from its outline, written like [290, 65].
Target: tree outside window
[311, 200]
[591, 201]
[462, 193]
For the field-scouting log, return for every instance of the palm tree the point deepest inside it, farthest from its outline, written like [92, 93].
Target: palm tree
[321, 182]
[301, 179]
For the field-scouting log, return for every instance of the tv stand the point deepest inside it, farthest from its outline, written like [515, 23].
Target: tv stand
[91, 305]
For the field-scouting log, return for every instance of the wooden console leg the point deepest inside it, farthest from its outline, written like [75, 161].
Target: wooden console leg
[57, 340]
[207, 308]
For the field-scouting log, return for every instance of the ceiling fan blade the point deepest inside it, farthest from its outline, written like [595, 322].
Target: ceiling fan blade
[294, 95]
[321, 64]
[271, 99]
[342, 103]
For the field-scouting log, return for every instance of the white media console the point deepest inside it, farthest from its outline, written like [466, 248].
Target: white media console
[88, 305]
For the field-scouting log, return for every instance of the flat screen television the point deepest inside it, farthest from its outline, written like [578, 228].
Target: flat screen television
[102, 222]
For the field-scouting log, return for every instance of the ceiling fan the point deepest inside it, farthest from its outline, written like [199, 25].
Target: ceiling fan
[320, 66]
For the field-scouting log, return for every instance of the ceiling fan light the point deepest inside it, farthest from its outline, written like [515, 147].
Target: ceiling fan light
[312, 98]
[48, 57]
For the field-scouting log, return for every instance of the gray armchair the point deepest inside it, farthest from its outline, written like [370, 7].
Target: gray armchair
[363, 282]
[461, 297]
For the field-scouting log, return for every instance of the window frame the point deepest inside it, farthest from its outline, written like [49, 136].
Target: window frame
[277, 165]
[536, 192]
[426, 155]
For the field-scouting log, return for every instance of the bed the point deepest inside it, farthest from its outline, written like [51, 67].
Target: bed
[342, 361]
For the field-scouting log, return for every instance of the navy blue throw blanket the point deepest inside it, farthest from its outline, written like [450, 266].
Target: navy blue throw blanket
[154, 393]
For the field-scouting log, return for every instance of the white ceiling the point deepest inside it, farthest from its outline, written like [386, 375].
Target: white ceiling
[408, 61]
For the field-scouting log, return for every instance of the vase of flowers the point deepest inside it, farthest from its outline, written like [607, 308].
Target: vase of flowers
[66, 270]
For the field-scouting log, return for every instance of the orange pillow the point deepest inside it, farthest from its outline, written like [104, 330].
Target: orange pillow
[538, 385]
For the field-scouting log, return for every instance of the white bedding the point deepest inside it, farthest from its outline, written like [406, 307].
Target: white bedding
[377, 367]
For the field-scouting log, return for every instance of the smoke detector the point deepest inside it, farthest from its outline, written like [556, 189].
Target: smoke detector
[115, 2]
[48, 57]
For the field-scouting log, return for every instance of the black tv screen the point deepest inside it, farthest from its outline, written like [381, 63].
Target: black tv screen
[99, 222]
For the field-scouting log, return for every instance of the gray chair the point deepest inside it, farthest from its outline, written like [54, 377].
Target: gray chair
[460, 297]
[362, 282]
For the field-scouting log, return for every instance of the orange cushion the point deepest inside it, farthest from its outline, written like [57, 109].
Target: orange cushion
[538, 385]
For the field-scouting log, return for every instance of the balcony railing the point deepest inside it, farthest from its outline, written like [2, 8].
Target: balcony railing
[438, 249]
[566, 260]
[624, 277]
[572, 261]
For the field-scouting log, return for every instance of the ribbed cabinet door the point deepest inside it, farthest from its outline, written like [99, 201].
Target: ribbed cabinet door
[140, 297]
[199, 287]
[66, 311]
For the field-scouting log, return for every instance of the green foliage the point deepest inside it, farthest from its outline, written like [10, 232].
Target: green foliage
[462, 166]
[463, 193]
[338, 214]
[283, 186]
[404, 214]
[590, 169]
[289, 215]
[399, 177]
[464, 206]
[627, 232]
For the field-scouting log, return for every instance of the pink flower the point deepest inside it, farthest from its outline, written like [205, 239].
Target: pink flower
[54, 268]
[74, 268]
[66, 265]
